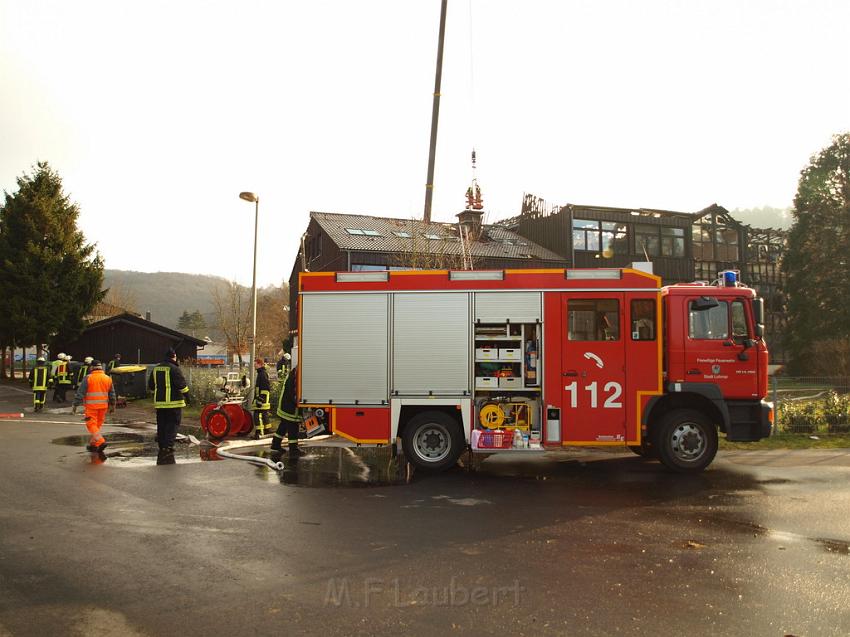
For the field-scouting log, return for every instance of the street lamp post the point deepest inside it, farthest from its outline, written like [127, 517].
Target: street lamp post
[250, 196]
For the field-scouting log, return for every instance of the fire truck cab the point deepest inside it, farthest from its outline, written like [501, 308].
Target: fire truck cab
[525, 361]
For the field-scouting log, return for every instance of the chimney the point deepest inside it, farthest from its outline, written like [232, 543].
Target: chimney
[147, 315]
[470, 222]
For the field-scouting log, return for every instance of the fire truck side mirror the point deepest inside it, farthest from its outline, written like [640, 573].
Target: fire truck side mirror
[758, 316]
[704, 303]
[758, 311]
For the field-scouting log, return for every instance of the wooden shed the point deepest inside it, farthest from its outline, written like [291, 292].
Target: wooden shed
[136, 339]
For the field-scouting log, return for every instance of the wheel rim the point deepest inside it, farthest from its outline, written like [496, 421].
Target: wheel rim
[688, 441]
[217, 425]
[432, 442]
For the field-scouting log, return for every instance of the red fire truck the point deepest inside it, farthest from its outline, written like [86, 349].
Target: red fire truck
[525, 361]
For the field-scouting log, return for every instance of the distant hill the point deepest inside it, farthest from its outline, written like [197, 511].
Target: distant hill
[765, 217]
[166, 294]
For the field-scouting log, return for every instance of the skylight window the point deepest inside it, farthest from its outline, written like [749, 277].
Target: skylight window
[356, 231]
[402, 234]
[372, 233]
[433, 237]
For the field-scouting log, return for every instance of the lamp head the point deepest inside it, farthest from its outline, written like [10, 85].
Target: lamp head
[249, 196]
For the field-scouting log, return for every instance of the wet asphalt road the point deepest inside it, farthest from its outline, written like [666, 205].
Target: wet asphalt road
[571, 543]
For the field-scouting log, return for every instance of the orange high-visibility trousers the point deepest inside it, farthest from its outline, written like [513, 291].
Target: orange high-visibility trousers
[94, 421]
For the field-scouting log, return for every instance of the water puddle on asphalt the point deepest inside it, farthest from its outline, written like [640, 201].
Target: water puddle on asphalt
[332, 466]
[137, 450]
[320, 466]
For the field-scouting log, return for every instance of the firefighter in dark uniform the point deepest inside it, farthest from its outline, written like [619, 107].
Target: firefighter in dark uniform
[169, 397]
[290, 416]
[83, 371]
[262, 400]
[38, 381]
[115, 362]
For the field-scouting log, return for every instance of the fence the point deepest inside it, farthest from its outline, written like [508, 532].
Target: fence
[202, 387]
[811, 405]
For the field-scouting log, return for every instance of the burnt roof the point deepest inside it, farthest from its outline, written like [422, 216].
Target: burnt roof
[495, 241]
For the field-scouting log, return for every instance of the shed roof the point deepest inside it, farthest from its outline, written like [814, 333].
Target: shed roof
[132, 319]
[386, 234]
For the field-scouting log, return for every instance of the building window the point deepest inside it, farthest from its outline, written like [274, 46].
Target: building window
[367, 267]
[702, 244]
[606, 237]
[659, 241]
[361, 232]
[727, 244]
[433, 237]
[403, 235]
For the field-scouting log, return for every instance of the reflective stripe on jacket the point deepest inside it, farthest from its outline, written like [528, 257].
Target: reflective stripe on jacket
[82, 373]
[38, 378]
[262, 400]
[168, 385]
[287, 407]
[96, 391]
[62, 374]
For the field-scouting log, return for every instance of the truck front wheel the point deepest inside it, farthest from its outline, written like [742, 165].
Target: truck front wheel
[686, 440]
[432, 441]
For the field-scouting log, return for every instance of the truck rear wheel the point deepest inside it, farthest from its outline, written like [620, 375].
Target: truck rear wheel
[432, 441]
[686, 441]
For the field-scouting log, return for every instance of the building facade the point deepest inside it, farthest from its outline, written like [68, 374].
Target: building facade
[683, 247]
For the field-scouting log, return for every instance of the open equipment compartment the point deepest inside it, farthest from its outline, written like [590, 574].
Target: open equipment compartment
[507, 387]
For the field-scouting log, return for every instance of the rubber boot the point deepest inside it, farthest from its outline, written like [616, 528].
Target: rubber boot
[294, 451]
[276, 443]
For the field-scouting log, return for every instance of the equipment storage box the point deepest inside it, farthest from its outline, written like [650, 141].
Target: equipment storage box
[497, 439]
[486, 382]
[486, 354]
[510, 354]
[510, 382]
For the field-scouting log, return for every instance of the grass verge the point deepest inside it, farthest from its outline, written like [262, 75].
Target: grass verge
[791, 441]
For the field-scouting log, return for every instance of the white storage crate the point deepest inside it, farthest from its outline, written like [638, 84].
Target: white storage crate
[510, 382]
[510, 354]
[486, 382]
[486, 353]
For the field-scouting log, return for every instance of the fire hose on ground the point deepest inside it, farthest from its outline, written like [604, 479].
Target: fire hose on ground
[266, 462]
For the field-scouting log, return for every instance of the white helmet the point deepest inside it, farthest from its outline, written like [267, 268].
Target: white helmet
[287, 356]
[88, 360]
[61, 356]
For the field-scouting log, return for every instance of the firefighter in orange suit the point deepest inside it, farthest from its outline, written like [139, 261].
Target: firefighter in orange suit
[97, 395]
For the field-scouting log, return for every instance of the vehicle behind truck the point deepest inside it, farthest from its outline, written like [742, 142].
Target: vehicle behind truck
[528, 361]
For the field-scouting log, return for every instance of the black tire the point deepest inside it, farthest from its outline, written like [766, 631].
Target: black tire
[685, 440]
[432, 441]
[218, 424]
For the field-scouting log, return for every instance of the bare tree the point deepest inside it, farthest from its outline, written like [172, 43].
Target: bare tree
[232, 304]
[272, 319]
[121, 296]
[420, 253]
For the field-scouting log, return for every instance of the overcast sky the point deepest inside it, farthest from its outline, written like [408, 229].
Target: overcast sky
[157, 114]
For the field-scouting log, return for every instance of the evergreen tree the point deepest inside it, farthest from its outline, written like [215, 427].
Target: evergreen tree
[816, 261]
[183, 321]
[192, 323]
[197, 322]
[50, 278]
